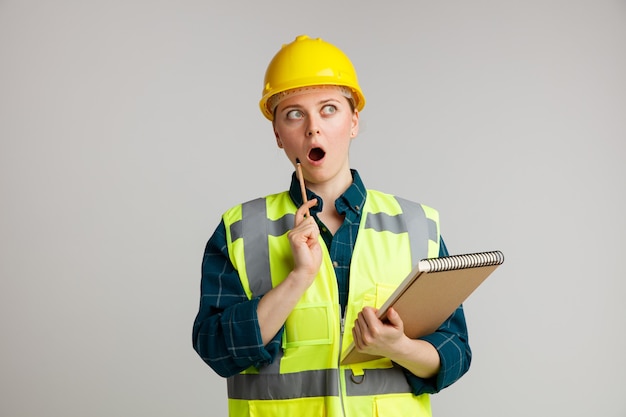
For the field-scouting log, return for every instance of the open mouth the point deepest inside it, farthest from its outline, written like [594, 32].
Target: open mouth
[316, 154]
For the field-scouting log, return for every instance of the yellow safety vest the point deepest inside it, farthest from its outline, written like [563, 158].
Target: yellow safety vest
[306, 378]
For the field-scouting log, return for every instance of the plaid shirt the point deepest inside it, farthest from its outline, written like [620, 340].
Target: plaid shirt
[226, 332]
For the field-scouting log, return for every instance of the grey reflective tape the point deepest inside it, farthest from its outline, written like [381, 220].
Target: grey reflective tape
[256, 250]
[383, 222]
[418, 226]
[254, 227]
[412, 220]
[236, 231]
[321, 383]
[432, 230]
[377, 381]
[281, 226]
[274, 227]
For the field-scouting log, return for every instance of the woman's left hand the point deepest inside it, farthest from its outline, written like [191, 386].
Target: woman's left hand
[373, 336]
[387, 339]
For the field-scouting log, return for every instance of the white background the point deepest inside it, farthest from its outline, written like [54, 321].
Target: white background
[128, 127]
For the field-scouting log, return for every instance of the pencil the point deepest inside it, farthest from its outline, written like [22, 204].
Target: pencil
[302, 186]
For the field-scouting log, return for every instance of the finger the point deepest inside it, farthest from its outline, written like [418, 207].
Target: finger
[303, 211]
[369, 316]
[394, 318]
[358, 335]
[363, 328]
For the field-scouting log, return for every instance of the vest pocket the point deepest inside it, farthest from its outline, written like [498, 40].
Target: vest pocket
[307, 325]
[300, 407]
[405, 405]
[383, 292]
[378, 298]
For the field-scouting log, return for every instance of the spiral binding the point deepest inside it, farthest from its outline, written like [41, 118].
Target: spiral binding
[469, 260]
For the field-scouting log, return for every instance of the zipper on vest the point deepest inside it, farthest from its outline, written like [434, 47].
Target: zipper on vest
[341, 388]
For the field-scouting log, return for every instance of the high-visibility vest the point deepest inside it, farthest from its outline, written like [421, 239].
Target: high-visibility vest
[306, 379]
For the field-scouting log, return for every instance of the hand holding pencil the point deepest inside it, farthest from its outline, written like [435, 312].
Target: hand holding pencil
[304, 237]
[302, 186]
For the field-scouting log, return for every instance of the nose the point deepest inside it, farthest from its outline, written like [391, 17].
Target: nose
[312, 128]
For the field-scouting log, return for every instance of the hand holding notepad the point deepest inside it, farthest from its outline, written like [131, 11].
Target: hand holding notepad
[431, 292]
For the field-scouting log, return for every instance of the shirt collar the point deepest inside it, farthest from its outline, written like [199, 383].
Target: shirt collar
[352, 199]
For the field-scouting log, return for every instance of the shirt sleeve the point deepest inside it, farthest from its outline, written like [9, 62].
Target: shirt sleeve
[452, 344]
[226, 333]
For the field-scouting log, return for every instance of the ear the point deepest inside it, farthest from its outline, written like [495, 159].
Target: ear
[278, 141]
[355, 124]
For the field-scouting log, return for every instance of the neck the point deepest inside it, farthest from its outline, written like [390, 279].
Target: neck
[330, 191]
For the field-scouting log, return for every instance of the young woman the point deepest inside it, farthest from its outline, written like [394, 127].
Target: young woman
[290, 280]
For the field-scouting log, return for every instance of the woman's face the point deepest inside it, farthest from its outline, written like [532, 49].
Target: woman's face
[317, 127]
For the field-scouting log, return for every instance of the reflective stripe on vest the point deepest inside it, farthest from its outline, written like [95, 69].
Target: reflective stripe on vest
[256, 226]
[320, 383]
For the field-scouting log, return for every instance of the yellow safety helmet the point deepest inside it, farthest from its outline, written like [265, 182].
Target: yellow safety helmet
[309, 62]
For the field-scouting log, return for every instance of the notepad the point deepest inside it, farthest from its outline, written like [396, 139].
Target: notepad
[431, 292]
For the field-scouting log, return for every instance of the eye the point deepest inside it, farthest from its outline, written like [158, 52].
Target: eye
[294, 114]
[329, 109]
